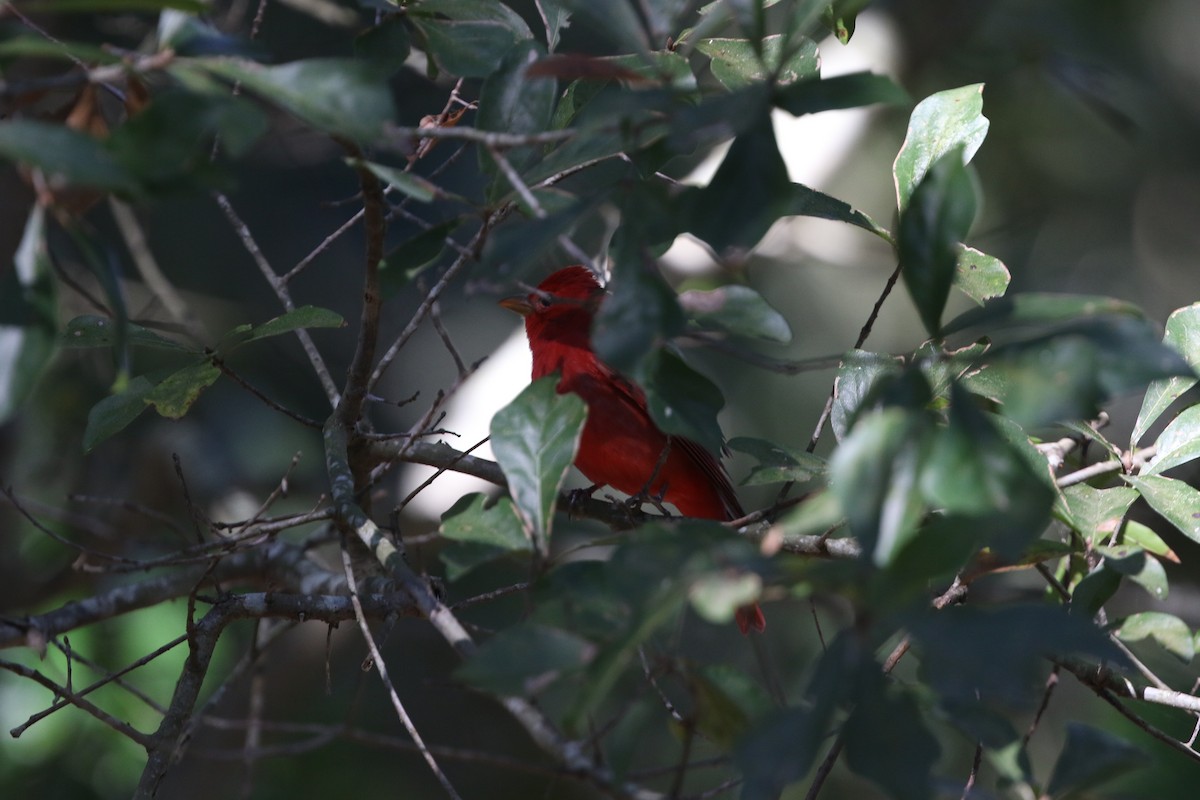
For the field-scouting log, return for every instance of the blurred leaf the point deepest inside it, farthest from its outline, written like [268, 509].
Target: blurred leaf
[1094, 590]
[937, 217]
[874, 475]
[637, 319]
[411, 257]
[997, 654]
[658, 68]
[737, 309]
[92, 330]
[297, 318]
[682, 401]
[187, 35]
[105, 6]
[980, 276]
[888, 742]
[940, 124]
[112, 414]
[1178, 503]
[1070, 371]
[468, 38]
[1183, 334]
[18, 44]
[1030, 308]
[843, 91]
[839, 18]
[1139, 566]
[407, 183]
[781, 748]
[524, 659]
[175, 394]
[1096, 514]
[1138, 534]
[386, 44]
[716, 597]
[28, 316]
[616, 20]
[1091, 757]
[556, 16]
[514, 101]
[858, 373]
[1170, 632]
[534, 438]
[335, 95]
[815, 515]
[738, 62]
[65, 156]
[1178, 444]
[718, 712]
[479, 533]
[777, 462]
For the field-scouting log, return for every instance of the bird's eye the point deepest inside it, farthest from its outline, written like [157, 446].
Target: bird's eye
[539, 302]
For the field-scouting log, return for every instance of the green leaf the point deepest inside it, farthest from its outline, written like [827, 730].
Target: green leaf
[479, 533]
[843, 91]
[737, 309]
[413, 256]
[1139, 566]
[175, 394]
[524, 659]
[1091, 757]
[980, 276]
[637, 319]
[65, 156]
[817, 515]
[724, 700]
[335, 95]
[297, 318]
[1170, 632]
[997, 655]
[888, 743]
[682, 401]
[535, 438]
[874, 475]
[386, 44]
[738, 62]
[777, 462]
[92, 330]
[556, 16]
[514, 101]
[407, 183]
[108, 6]
[940, 124]
[1031, 308]
[616, 21]
[1178, 444]
[1178, 503]
[716, 597]
[937, 217]
[1138, 534]
[860, 370]
[806, 202]
[112, 414]
[1183, 334]
[1097, 513]
[17, 44]
[28, 317]
[468, 38]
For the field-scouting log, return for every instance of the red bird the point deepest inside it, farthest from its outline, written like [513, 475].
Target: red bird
[621, 446]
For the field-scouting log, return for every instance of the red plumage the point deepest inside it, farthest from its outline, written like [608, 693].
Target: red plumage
[621, 446]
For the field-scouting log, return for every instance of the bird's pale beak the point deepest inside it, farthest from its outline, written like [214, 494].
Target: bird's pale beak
[518, 304]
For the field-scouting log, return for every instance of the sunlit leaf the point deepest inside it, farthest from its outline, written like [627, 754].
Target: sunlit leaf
[1170, 632]
[1138, 534]
[1138, 566]
[941, 123]
[1183, 334]
[1096, 514]
[174, 395]
[1178, 444]
[1177, 502]
[980, 276]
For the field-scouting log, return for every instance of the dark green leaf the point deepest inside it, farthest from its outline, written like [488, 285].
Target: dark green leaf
[92, 330]
[843, 91]
[1178, 503]
[297, 318]
[736, 309]
[17, 44]
[1139, 566]
[524, 659]
[514, 101]
[1091, 757]
[616, 20]
[777, 462]
[858, 373]
[413, 256]
[682, 401]
[940, 124]
[65, 156]
[874, 475]
[556, 16]
[725, 700]
[1170, 632]
[386, 44]
[1032, 308]
[28, 316]
[335, 95]
[479, 533]
[108, 6]
[980, 276]
[112, 414]
[938, 215]
[534, 438]
[996, 655]
[637, 319]
[175, 394]
[1096, 589]
[468, 38]
[1183, 334]
[806, 202]
[888, 743]
[407, 183]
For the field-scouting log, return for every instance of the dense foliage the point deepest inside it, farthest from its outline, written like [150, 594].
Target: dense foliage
[949, 539]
